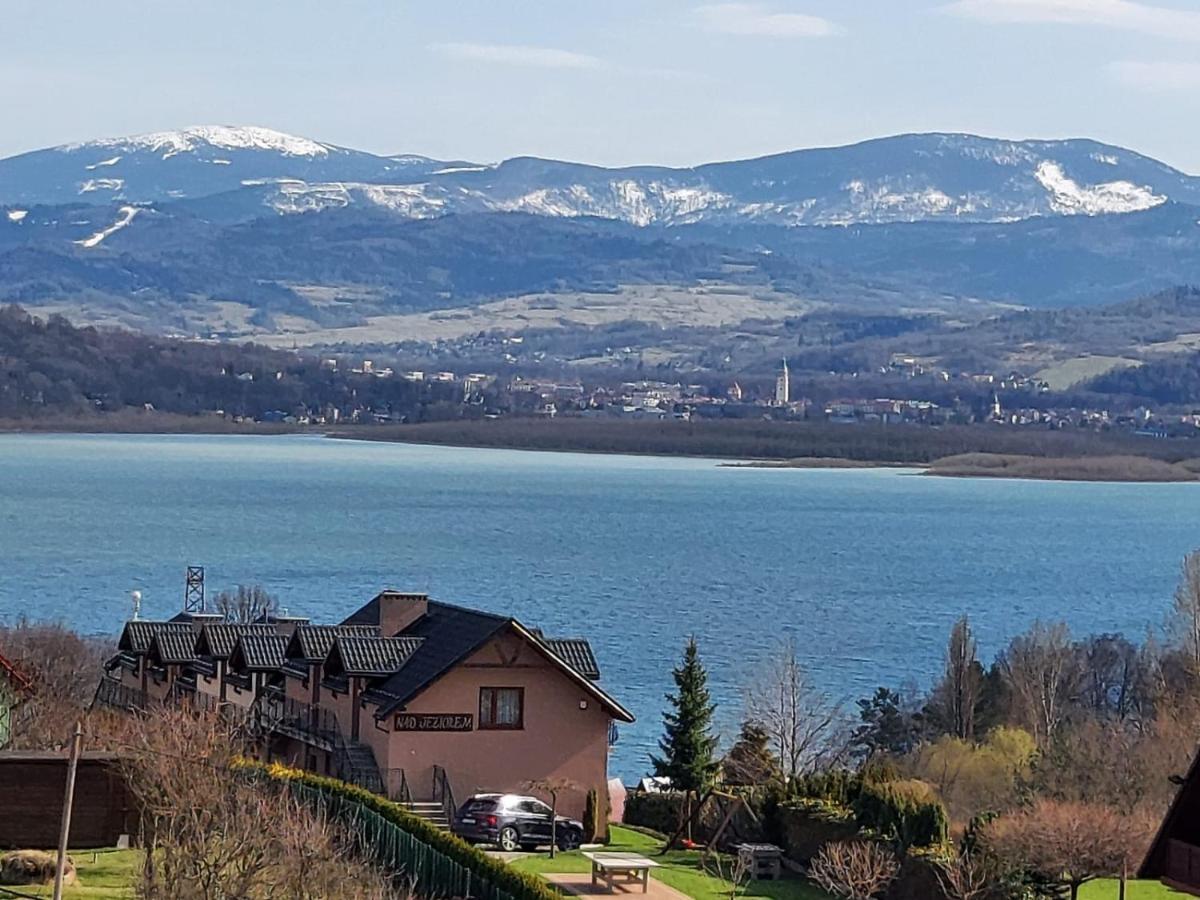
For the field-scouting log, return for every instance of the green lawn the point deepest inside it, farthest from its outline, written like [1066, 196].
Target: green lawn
[680, 869]
[110, 877]
[1136, 890]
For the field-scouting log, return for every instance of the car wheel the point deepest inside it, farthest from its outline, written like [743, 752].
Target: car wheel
[509, 839]
[569, 840]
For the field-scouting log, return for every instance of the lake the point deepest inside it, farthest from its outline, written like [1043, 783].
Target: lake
[867, 569]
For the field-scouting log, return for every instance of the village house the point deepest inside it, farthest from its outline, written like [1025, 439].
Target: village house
[13, 685]
[408, 696]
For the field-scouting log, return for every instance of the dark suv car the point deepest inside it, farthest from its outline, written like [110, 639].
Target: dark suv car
[513, 822]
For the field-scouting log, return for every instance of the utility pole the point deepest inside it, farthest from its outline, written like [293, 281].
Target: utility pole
[68, 801]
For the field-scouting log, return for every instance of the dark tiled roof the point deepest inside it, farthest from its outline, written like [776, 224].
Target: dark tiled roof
[576, 653]
[258, 652]
[217, 639]
[312, 643]
[368, 613]
[370, 656]
[449, 634]
[172, 646]
[137, 635]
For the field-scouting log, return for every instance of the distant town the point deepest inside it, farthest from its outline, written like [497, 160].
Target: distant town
[1011, 399]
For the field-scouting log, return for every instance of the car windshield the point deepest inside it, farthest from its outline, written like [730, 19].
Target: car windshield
[479, 804]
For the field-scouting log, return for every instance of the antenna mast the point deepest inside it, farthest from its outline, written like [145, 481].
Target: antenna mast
[193, 592]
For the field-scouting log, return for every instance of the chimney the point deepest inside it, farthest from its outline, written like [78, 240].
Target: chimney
[397, 611]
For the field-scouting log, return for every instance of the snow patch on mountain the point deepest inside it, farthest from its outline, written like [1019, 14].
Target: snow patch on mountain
[625, 199]
[101, 184]
[227, 137]
[454, 170]
[104, 162]
[415, 201]
[1069, 197]
[17, 215]
[127, 214]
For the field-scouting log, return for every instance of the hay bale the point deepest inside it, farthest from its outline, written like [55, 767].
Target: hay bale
[32, 867]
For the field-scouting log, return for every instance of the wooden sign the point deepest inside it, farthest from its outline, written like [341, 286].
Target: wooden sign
[434, 722]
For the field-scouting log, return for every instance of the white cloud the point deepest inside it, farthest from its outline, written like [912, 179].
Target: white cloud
[754, 19]
[518, 55]
[1126, 15]
[1157, 76]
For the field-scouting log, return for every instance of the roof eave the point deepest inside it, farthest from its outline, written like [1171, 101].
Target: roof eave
[615, 709]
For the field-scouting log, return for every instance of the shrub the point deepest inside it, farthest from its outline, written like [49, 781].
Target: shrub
[838, 786]
[805, 826]
[659, 812]
[32, 867]
[855, 870]
[907, 812]
[595, 818]
[520, 885]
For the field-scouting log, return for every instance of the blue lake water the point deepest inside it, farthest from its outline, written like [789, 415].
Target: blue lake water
[866, 568]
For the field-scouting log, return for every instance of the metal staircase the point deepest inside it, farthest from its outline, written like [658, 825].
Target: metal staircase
[353, 761]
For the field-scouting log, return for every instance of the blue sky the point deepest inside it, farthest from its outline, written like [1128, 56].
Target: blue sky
[611, 82]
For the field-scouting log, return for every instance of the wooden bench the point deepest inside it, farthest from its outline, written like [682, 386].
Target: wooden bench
[607, 867]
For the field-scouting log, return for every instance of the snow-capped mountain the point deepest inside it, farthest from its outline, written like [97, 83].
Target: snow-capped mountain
[194, 162]
[238, 173]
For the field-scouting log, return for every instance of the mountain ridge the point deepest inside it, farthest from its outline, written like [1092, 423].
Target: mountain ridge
[899, 178]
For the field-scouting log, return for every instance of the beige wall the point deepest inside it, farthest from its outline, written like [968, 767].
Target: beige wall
[558, 741]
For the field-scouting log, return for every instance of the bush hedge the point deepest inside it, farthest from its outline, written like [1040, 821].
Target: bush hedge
[659, 812]
[520, 885]
[907, 812]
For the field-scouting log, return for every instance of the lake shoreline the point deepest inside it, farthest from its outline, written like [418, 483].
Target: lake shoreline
[724, 443]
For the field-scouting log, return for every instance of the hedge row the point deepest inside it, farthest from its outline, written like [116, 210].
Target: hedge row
[907, 812]
[520, 885]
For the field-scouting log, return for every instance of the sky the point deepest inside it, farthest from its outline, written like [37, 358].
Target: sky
[611, 82]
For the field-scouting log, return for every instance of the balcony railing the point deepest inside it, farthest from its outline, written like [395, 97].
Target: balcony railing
[273, 713]
[111, 693]
[302, 721]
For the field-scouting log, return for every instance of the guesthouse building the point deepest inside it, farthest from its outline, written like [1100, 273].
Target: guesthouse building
[422, 700]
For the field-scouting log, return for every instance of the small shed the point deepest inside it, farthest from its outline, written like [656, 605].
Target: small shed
[1174, 856]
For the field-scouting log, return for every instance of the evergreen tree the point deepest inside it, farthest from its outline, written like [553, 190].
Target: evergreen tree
[886, 726]
[688, 746]
[750, 760]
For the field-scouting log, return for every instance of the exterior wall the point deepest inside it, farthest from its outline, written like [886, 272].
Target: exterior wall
[209, 685]
[239, 696]
[559, 740]
[32, 787]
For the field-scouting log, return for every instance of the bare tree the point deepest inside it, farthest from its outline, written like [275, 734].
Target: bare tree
[1040, 670]
[63, 668]
[552, 787]
[210, 834]
[855, 870]
[966, 877]
[1184, 622]
[956, 698]
[246, 604]
[1067, 843]
[731, 871]
[805, 727]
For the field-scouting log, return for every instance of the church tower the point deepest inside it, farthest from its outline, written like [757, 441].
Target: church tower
[783, 390]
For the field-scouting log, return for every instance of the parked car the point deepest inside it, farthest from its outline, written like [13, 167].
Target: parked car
[513, 822]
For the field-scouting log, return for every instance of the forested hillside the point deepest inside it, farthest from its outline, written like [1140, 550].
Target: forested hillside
[51, 368]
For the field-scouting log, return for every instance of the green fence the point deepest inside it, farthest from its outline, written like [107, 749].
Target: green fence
[429, 872]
